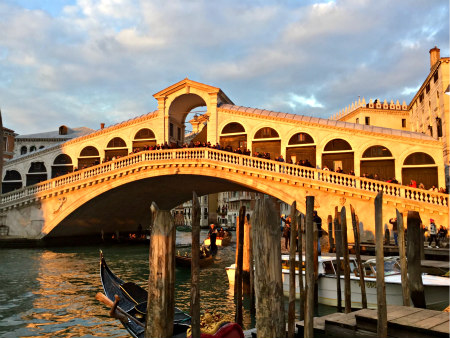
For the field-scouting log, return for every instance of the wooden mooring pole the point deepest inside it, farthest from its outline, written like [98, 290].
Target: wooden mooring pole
[414, 259]
[347, 293]
[161, 279]
[309, 253]
[270, 319]
[381, 289]
[292, 272]
[362, 283]
[239, 263]
[301, 233]
[195, 267]
[330, 232]
[252, 270]
[338, 241]
[402, 254]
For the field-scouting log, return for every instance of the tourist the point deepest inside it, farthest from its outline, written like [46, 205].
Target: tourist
[339, 170]
[442, 234]
[286, 231]
[433, 188]
[412, 184]
[433, 234]
[393, 221]
[316, 219]
[421, 185]
[325, 168]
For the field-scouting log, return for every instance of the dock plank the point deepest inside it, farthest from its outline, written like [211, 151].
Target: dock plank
[443, 328]
[434, 321]
[413, 318]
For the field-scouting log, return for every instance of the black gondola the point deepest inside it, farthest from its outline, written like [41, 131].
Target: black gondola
[133, 301]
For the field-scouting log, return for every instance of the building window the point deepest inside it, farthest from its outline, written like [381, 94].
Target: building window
[403, 123]
[357, 120]
[427, 88]
[23, 150]
[367, 119]
[430, 128]
[32, 148]
[435, 77]
[421, 98]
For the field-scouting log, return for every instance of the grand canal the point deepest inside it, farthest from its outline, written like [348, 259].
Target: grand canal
[50, 292]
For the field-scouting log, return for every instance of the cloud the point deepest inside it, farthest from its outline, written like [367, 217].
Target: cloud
[82, 62]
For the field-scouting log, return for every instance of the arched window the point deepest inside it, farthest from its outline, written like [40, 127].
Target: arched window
[300, 138]
[116, 148]
[418, 159]
[23, 150]
[266, 132]
[301, 150]
[89, 156]
[144, 138]
[116, 142]
[32, 148]
[337, 145]
[232, 128]
[63, 130]
[37, 173]
[11, 181]
[233, 136]
[338, 155]
[62, 165]
[41, 147]
[377, 163]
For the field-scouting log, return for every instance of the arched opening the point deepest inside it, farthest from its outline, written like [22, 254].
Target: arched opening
[338, 155]
[62, 165]
[89, 156]
[377, 162]
[144, 139]
[11, 181]
[37, 173]
[301, 150]
[178, 111]
[116, 148]
[267, 140]
[420, 167]
[233, 136]
[23, 150]
[32, 148]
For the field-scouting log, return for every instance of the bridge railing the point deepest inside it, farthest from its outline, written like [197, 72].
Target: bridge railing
[242, 161]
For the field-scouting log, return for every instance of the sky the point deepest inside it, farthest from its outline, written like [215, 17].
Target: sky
[83, 62]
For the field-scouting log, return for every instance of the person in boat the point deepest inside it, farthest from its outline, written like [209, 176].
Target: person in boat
[212, 237]
[318, 221]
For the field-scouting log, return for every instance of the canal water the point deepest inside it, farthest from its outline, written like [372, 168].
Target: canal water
[51, 292]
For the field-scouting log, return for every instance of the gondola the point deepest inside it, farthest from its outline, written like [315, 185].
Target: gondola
[133, 301]
[185, 261]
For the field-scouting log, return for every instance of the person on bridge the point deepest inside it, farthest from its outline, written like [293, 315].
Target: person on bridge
[212, 237]
[393, 221]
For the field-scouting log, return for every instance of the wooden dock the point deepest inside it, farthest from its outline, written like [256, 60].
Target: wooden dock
[402, 322]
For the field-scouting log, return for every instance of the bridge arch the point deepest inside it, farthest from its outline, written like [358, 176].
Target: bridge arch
[88, 157]
[116, 147]
[338, 153]
[377, 161]
[62, 164]
[37, 172]
[143, 138]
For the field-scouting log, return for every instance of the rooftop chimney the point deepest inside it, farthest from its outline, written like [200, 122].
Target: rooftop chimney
[102, 125]
[435, 55]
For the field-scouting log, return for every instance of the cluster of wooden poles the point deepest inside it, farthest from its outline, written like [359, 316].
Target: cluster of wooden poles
[263, 250]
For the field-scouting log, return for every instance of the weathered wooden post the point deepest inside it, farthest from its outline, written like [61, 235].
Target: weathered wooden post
[414, 261]
[238, 271]
[301, 232]
[252, 270]
[338, 241]
[246, 255]
[316, 267]
[195, 267]
[362, 283]
[161, 279]
[309, 253]
[330, 232]
[347, 294]
[292, 254]
[402, 254]
[270, 319]
[381, 289]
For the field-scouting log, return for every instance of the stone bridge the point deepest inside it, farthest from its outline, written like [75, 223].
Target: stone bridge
[116, 195]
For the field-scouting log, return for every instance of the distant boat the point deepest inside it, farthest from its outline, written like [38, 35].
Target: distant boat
[221, 240]
[206, 259]
[436, 287]
[184, 228]
[133, 301]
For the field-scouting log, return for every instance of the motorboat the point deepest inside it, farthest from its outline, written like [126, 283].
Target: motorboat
[436, 287]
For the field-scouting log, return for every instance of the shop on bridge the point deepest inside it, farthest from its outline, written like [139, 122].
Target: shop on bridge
[300, 148]
[267, 140]
[338, 154]
[233, 135]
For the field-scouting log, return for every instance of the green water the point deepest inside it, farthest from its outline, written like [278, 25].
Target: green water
[51, 292]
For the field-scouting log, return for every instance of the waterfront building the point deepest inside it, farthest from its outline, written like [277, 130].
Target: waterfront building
[8, 143]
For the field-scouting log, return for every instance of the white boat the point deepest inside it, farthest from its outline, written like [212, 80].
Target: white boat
[436, 288]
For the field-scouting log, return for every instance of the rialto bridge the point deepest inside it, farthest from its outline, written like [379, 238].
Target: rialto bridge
[117, 180]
